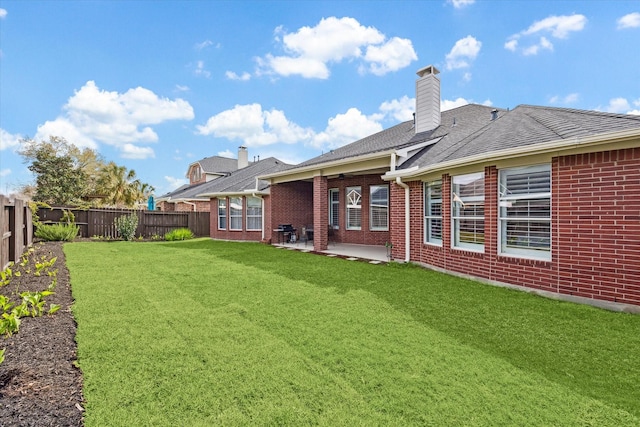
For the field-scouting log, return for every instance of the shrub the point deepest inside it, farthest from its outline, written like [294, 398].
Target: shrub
[126, 226]
[57, 232]
[179, 234]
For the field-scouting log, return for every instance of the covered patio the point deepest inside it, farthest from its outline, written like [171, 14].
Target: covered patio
[373, 253]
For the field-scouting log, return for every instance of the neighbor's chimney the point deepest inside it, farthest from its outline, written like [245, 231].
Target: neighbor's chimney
[427, 99]
[243, 157]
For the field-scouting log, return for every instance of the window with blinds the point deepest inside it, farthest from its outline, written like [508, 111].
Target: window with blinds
[379, 208]
[525, 211]
[468, 211]
[222, 214]
[235, 213]
[334, 205]
[354, 208]
[254, 213]
[433, 212]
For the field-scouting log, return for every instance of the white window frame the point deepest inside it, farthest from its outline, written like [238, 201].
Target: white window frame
[254, 213]
[334, 208]
[354, 207]
[461, 202]
[432, 199]
[534, 244]
[235, 214]
[222, 213]
[378, 204]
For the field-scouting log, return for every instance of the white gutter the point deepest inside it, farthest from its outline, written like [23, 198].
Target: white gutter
[407, 224]
[195, 209]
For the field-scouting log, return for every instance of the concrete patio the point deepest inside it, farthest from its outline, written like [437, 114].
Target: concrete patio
[375, 254]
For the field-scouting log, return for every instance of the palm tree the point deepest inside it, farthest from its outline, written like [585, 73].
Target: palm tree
[119, 186]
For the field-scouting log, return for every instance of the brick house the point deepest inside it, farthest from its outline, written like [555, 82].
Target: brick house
[540, 198]
[199, 173]
[240, 203]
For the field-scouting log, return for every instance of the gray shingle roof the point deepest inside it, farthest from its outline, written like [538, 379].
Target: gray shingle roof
[217, 165]
[468, 119]
[244, 179]
[184, 192]
[524, 125]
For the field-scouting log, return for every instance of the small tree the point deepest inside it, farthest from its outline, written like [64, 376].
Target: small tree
[126, 226]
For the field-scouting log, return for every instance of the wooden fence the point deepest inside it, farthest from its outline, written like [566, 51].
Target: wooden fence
[17, 229]
[100, 221]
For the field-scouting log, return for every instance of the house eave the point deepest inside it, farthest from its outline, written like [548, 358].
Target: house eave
[345, 165]
[626, 138]
[234, 193]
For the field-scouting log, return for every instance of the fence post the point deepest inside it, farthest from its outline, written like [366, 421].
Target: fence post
[18, 230]
[5, 233]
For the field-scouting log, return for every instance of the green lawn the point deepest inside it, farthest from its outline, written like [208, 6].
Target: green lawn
[221, 333]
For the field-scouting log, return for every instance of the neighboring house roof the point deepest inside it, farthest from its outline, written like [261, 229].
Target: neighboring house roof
[185, 192]
[216, 165]
[242, 180]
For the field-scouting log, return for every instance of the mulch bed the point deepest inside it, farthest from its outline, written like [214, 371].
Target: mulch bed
[40, 384]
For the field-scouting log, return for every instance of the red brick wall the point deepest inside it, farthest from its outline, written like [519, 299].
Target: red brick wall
[595, 230]
[201, 206]
[364, 236]
[291, 203]
[242, 235]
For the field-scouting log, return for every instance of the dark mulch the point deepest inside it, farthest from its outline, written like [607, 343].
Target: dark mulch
[40, 384]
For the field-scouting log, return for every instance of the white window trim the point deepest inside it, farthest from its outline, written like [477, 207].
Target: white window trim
[351, 207]
[427, 217]
[542, 255]
[254, 216]
[371, 206]
[467, 178]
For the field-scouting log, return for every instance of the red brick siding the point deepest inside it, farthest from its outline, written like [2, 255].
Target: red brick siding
[364, 236]
[595, 222]
[291, 203]
[201, 206]
[320, 213]
[241, 235]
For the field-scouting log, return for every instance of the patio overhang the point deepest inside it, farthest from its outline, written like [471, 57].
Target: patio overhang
[373, 163]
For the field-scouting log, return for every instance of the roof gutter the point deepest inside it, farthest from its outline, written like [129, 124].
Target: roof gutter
[407, 228]
[340, 162]
[546, 147]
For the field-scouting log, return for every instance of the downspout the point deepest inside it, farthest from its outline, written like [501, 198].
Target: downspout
[192, 204]
[407, 225]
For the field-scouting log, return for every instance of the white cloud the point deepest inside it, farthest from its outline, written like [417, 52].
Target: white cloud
[130, 151]
[622, 105]
[227, 153]
[631, 20]
[255, 127]
[392, 56]
[309, 51]
[447, 104]
[204, 44]
[233, 76]
[93, 115]
[201, 71]
[346, 128]
[558, 27]
[400, 109]
[3, 13]
[564, 100]
[182, 88]
[8, 140]
[463, 52]
[459, 4]
[466, 77]
[175, 183]
[5, 172]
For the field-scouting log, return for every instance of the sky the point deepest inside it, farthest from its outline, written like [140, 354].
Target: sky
[158, 85]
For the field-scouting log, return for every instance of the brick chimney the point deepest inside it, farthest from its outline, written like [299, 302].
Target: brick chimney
[243, 157]
[427, 99]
